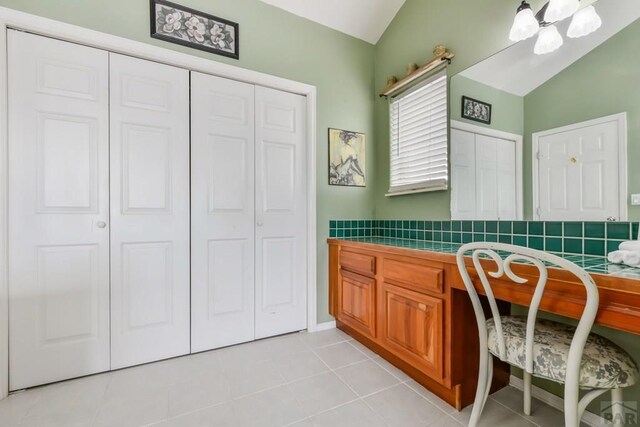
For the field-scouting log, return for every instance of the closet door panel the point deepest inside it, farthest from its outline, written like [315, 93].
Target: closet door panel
[58, 210]
[281, 213]
[222, 205]
[149, 211]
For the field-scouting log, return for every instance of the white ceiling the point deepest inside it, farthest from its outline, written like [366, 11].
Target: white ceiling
[518, 70]
[364, 19]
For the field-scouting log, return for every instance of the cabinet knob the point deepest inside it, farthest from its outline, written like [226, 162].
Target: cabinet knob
[260, 223]
[101, 224]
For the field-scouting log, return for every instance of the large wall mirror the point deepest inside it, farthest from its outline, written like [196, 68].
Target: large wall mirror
[552, 136]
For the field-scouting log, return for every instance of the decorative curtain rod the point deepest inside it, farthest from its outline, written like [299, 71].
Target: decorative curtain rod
[441, 56]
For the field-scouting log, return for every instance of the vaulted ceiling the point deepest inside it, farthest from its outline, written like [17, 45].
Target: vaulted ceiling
[364, 19]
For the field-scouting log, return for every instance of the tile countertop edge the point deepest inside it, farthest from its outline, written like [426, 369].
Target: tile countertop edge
[605, 274]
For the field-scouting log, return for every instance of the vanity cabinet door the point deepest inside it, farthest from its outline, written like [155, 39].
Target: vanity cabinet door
[357, 302]
[412, 328]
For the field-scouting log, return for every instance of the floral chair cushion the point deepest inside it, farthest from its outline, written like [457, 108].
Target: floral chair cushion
[604, 364]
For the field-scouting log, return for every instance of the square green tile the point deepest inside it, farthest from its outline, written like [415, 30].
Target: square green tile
[467, 226]
[428, 235]
[619, 230]
[347, 232]
[491, 226]
[437, 236]
[634, 231]
[413, 225]
[456, 237]
[437, 225]
[536, 243]
[594, 230]
[490, 237]
[553, 244]
[536, 228]
[519, 227]
[573, 229]
[504, 227]
[406, 234]
[594, 247]
[520, 240]
[467, 237]
[505, 238]
[446, 225]
[573, 246]
[456, 225]
[413, 234]
[446, 236]
[478, 226]
[553, 228]
[406, 225]
[478, 237]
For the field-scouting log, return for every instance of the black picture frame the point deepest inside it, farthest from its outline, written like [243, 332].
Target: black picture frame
[157, 34]
[478, 111]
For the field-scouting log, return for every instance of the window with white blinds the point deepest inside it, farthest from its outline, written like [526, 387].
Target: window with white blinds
[418, 121]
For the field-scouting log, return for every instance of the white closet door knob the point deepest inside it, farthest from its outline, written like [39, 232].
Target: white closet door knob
[101, 224]
[260, 223]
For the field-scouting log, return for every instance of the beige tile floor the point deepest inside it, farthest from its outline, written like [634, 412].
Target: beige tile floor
[302, 380]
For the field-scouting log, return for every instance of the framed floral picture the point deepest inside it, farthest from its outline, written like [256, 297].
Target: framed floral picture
[188, 27]
[347, 162]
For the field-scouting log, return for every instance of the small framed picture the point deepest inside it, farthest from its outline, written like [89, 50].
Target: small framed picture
[188, 27]
[475, 110]
[347, 161]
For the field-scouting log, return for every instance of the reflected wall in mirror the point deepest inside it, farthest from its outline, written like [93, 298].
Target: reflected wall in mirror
[564, 141]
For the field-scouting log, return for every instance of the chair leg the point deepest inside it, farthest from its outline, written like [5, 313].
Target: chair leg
[485, 374]
[616, 407]
[527, 393]
[571, 403]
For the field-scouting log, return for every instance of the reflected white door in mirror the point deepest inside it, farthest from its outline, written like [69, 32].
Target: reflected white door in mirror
[486, 173]
[580, 171]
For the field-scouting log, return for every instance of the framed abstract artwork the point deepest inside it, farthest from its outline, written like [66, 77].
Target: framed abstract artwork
[178, 24]
[347, 158]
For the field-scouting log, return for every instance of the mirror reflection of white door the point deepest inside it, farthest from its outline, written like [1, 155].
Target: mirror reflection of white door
[486, 173]
[581, 171]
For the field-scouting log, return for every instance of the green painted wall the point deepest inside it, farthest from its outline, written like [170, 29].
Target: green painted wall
[278, 43]
[601, 83]
[507, 110]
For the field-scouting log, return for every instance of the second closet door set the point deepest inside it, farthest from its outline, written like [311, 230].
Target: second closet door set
[153, 211]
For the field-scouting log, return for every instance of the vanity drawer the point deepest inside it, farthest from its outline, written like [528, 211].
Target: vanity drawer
[414, 274]
[358, 263]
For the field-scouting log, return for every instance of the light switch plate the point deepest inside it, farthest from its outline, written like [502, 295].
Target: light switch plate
[635, 199]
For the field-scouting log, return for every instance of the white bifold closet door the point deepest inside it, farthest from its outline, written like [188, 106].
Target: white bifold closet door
[248, 212]
[281, 212]
[58, 210]
[149, 211]
[222, 200]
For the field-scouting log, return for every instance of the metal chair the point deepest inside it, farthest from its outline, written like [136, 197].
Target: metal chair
[571, 356]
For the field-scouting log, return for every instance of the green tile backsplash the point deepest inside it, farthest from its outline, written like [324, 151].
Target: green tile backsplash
[588, 238]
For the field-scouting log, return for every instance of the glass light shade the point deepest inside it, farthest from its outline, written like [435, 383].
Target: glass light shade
[525, 25]
[560, 9]
[584, 22]
[549, 39]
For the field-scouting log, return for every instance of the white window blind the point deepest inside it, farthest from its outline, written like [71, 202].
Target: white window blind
[418, 121]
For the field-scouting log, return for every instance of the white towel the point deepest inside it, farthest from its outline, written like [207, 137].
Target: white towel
[616, 257]
[632, 259]
[630, 245]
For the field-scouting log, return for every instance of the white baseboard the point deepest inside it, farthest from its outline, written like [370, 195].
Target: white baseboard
[325, 326]
[556, 402]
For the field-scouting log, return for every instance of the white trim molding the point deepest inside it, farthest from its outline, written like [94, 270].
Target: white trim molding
[621, 119]
[518, 140]
[325, 326]
[12, 19]
[556, 402]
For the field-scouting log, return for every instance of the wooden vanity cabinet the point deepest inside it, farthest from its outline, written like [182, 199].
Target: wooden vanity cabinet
[399, 303]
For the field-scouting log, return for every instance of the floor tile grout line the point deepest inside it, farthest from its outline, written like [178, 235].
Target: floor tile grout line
[520, 414]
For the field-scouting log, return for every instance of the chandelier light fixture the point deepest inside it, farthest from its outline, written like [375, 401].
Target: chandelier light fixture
[526, 24]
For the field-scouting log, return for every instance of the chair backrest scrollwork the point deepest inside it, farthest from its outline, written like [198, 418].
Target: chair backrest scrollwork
[504, 256]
